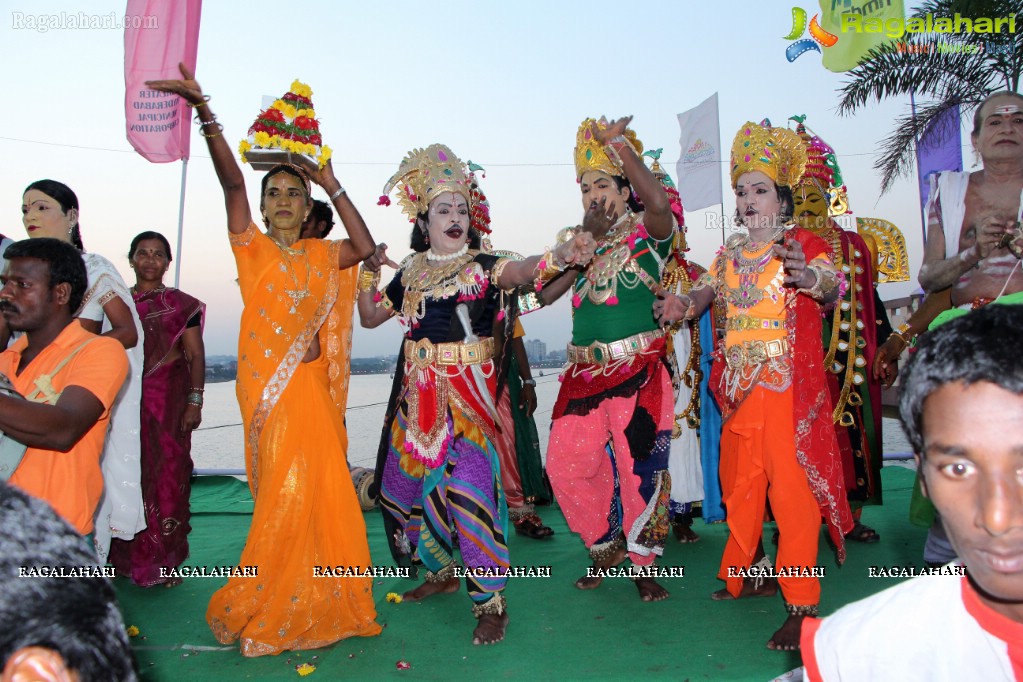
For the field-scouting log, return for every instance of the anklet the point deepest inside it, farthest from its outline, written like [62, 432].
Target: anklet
[605, 550]
[494, 606]
[442, 575]
[802, 609]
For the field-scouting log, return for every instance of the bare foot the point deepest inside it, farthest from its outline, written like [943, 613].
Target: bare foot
[787, 636]
[767, 588]
[649, 590]
[428, 589]
[592, 582]
[490, 629]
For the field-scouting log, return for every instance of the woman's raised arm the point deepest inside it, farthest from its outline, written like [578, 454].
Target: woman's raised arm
[238, 214]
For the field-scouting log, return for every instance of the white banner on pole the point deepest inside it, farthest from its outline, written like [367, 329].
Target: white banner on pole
[699, 164]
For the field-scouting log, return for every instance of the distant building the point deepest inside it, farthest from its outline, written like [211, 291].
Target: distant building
[558, 355]
[535, 349]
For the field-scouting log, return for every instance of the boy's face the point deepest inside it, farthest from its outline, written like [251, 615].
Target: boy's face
[973, 472]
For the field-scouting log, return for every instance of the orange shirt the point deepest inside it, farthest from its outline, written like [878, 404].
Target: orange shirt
[70, 481]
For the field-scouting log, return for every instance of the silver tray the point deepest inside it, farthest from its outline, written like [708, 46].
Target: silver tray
[265, 159]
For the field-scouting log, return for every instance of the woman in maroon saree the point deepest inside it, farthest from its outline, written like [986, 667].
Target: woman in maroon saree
[172, 390]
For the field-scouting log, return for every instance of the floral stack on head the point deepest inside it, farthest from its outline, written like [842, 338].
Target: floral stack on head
[289, 125]
[426, 173]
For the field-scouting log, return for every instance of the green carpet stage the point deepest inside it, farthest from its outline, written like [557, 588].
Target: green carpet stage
[556, 631]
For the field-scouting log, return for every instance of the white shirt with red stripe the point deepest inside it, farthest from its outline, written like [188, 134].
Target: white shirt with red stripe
[932, 627]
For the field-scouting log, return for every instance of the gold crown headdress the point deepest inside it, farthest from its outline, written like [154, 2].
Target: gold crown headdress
[590, 153]
[778, 153]
[424, 174]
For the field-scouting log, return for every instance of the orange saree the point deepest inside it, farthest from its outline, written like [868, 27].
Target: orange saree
[306, 513]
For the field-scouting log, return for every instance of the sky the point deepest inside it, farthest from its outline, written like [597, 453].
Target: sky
[503, 84]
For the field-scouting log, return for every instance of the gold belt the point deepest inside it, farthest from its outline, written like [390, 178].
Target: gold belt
[424, 352]
[600, 353]
[755, 352]
[741, 323]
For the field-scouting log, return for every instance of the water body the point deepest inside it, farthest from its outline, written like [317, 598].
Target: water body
[218, 443]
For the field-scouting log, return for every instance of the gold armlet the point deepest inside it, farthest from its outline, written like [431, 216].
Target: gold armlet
[368, 280]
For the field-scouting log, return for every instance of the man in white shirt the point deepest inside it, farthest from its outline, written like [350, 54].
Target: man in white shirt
[962, 409]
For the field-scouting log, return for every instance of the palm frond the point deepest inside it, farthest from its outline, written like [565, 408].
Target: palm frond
[940, 77]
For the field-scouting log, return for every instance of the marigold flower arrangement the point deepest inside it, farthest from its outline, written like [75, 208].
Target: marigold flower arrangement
[289, 125]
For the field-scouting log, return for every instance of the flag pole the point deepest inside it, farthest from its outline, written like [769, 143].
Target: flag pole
[919, 180]
[181, 221]
[722, 205]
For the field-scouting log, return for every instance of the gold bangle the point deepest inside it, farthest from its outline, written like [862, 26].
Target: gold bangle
[614, 148]
[547, 268]
[827, 282]
[904, 334]
[205, 99]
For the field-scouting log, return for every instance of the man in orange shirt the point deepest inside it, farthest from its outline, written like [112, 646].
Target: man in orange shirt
[70, 377]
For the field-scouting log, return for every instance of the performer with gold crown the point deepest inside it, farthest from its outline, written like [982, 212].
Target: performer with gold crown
[852, 330]
[293, 355]
[608, 452]
[441, 473]
[778, 440]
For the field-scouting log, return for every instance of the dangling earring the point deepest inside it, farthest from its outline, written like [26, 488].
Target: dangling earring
[976, 157]
[427, 237]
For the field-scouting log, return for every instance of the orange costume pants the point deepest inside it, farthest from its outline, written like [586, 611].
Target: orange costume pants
[758, 462]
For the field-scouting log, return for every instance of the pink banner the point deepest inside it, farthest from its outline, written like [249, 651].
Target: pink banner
[158, 34]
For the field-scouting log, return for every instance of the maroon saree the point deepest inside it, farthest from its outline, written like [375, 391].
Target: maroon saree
[166, 450]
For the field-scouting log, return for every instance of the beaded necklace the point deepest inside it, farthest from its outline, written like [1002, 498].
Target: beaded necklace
[440, 257]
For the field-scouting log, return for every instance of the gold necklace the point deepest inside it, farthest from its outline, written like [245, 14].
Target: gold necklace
[423, 279]
[601, 277]
[134, 290]
[300, 290]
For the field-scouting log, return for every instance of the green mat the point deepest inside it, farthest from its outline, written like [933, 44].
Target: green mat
[556, 632]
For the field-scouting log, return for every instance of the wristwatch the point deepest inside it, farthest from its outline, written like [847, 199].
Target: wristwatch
[529, 382]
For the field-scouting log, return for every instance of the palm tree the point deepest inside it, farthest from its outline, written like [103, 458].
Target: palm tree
[967, 69]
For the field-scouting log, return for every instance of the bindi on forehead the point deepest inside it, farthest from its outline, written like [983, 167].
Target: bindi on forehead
[285, 180]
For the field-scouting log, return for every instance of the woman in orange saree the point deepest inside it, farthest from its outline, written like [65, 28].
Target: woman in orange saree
[292, 388]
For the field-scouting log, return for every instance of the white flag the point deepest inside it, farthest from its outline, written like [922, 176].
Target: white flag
[699, 165]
